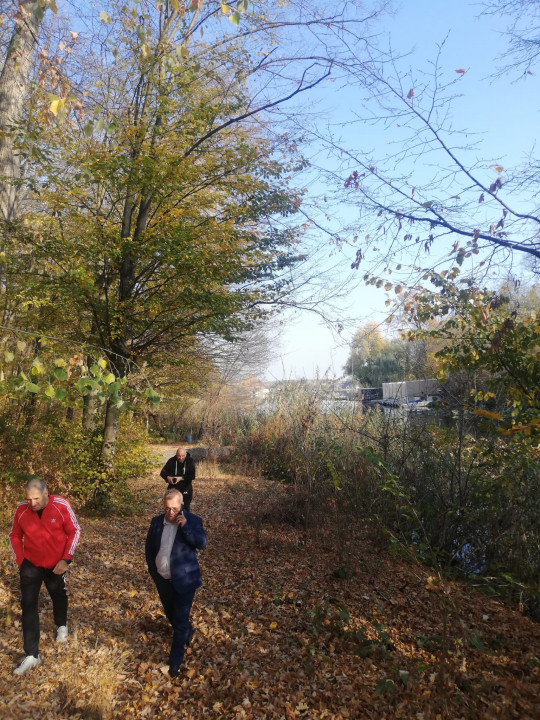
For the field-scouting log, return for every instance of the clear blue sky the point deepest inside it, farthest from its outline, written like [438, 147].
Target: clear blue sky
[504, 111]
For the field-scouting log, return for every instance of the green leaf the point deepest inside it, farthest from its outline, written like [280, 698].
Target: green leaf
[104, 17]
[152, 396]
[476, 642]
[404, 676]
[84, 386]
[21, 345]
[49, 391]
[88, 128]
[235, 18]
[60, 374]
[38, 11]
[109, 378]
[243, 6]
[37, 367]
[60, 394]
[8, 355]
[384, 687]
[32, 387]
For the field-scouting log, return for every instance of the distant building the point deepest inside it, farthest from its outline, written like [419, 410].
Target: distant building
[407, 390]
[371, 393]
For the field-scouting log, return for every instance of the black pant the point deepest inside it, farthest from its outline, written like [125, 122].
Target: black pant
[32, 577]
[177, 607]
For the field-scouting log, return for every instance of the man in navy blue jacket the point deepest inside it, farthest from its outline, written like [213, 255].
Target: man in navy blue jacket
[171, 555]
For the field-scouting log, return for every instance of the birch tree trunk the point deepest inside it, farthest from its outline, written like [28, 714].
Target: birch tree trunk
[90, 408]
[13, 85]
[110, 436]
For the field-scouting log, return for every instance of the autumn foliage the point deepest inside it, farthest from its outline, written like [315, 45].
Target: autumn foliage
[282, 630]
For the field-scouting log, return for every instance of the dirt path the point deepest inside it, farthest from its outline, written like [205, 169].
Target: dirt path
[279, 633]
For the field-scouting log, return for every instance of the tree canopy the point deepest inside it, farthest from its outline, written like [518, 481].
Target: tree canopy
[375, 360]
[153, 185]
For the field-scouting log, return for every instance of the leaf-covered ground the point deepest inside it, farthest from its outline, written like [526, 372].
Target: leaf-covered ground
[285, 628]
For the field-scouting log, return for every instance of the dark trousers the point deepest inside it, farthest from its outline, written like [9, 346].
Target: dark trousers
[31, 578]
[177, 607]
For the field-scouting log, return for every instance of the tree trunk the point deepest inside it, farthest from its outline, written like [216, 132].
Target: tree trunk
[90, 407]
[13, 85]
[110, 436]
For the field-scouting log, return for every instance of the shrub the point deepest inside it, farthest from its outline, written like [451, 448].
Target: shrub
[67, 457]
[459, 494]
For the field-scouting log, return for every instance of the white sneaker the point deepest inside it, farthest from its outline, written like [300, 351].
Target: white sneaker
[28, 663]
[62, 633]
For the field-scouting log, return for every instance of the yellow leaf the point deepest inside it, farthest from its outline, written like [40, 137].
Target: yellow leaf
[224, 8]
[273, 625]
[433, 583]
[488, 414]
[57, 105]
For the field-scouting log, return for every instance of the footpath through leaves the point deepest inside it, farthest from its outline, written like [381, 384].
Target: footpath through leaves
[287, 626]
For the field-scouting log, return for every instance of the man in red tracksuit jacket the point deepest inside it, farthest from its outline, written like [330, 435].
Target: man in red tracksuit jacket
[43, 538]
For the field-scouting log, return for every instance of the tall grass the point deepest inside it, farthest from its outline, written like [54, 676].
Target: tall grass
[460, 494]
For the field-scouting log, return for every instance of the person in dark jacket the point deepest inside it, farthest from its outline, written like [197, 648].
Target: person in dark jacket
[171, 555]
[179, 473]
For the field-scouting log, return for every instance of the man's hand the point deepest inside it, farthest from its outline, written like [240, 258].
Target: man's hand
[172, 480]
[181, 519]
[60, 568]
